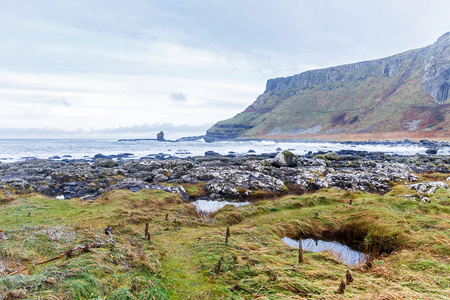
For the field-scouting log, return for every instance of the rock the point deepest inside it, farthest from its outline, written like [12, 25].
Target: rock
[285, 159]
[428, 187]
[431, 151]
[19, 184]
[320, 183]
[215, 196]
[160, 178]
[331, 155]
[99, 155]
[171, 189]
[224, 176]
[160, 137]
[269, 155]
[121, 155]
[212, 153]
[425, 200]
[105, 163]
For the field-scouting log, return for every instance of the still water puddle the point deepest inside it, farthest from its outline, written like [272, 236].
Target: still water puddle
[340, 251]
[207, 207]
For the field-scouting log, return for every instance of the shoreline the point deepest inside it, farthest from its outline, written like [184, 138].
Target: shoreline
[398, 136]
[220, 176]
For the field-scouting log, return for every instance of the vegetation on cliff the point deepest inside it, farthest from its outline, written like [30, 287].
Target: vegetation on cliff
[406, 92]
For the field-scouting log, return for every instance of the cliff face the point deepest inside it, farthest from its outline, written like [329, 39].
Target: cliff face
[406, 92]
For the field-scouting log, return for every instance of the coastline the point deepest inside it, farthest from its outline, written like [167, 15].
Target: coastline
[394, 137]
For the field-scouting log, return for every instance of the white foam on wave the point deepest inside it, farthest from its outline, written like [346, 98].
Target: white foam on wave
[15, 150]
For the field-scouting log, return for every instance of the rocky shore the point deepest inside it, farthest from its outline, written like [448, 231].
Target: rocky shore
[221, 177]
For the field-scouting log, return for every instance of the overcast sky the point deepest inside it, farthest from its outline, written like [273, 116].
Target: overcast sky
[115, 69]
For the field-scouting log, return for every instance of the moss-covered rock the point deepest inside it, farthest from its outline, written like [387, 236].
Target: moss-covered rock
[285, 159]
[331, 155]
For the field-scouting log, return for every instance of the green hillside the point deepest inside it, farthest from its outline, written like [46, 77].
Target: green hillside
[402, 93]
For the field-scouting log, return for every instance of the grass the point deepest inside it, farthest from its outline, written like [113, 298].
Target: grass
[410, 241]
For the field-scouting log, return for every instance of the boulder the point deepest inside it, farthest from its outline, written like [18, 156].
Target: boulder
[331, 155]
[212, 153]
[285, 159]
[431, 151]
[99, 155]
[160, 178]
[105, 163]
[428, 187]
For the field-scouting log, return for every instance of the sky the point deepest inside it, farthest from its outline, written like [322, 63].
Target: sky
[129, 69]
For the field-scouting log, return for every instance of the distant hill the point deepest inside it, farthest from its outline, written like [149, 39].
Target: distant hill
[401, 96]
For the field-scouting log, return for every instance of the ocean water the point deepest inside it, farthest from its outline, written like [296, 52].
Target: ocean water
[12, 150]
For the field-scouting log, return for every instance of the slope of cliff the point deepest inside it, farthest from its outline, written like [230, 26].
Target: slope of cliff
[404, 95]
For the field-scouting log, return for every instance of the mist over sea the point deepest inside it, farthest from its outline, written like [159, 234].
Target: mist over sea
[12, 150]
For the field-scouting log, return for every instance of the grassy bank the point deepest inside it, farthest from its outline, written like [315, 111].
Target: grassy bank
[187, 257]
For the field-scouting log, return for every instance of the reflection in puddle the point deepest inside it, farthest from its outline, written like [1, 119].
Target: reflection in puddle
[207, 207]
[340, 251]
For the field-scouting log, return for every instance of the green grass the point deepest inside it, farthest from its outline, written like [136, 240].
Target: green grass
[411, 240]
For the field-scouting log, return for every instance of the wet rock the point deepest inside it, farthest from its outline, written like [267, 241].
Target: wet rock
[125, 155]
[431, 151]
[212, 153]
[269, 155]
[99, 155]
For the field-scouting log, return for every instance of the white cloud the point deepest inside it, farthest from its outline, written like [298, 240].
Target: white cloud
[178, 97]
[171, 132]
[62, 102]
[111, 64]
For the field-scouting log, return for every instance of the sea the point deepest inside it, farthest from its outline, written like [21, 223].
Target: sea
[13, 150]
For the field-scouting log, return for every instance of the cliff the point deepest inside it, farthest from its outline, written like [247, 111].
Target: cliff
[405, 93]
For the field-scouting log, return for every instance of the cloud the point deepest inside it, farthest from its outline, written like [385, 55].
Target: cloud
[178, 97]
[191, 62]
[62, 102]
[171, 131]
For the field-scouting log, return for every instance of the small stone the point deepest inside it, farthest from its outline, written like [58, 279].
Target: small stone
[425, 200]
